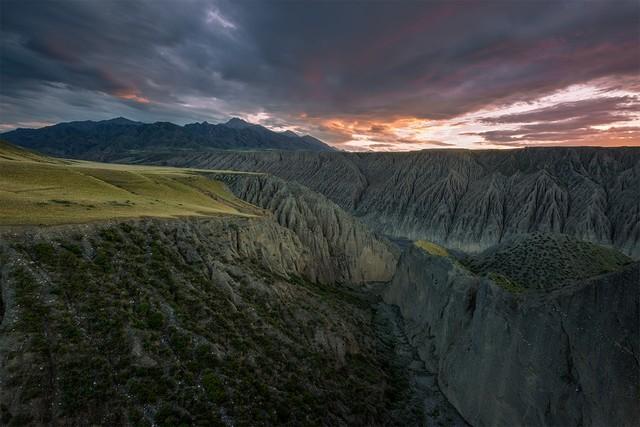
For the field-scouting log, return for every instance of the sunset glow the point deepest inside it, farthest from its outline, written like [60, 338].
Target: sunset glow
[388, 76]
[585, 114]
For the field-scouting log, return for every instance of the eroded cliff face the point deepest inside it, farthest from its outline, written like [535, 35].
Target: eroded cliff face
[564, 357]
[187, 321]
[344, 250]
[469, 200]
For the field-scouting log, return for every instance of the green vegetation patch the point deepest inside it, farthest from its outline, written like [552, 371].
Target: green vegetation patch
[431, 248]
[506, 283]
[36, 189]
[118, 327]
[545, 261]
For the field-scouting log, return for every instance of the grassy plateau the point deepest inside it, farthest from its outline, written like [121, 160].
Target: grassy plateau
[39, 190]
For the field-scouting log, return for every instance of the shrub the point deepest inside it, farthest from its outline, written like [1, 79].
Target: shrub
[505, 283]
[73, 248]
[155, 319]
[44, 252]
[213, 386]
[110, 235]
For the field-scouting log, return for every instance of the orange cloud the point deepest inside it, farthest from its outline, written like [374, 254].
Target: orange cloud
[132, 96]
[597, 113]
[399, 134]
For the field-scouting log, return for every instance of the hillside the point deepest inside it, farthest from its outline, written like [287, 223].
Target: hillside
[461, 199]
[36, 189]
[102, 139]
[201, 321]
[207, 310]
[544, 261]
[342, 243]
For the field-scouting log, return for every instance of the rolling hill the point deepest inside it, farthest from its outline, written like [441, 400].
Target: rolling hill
[36, 189]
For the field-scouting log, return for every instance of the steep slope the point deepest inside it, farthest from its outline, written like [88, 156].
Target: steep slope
[99, 140]
[186, 321]
[508, 357]
[467, 200]
[342, 244]
[228, 316]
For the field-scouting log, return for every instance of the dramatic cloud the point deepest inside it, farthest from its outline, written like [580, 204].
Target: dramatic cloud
[586, 121]
[612, 108]
[363, 75]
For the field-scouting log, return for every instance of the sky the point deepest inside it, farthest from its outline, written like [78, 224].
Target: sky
[360, 75]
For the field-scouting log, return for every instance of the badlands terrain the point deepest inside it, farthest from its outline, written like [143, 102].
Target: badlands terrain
[150, 285]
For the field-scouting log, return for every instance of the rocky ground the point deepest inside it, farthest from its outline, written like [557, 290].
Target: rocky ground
[134, 323]
[160, 322]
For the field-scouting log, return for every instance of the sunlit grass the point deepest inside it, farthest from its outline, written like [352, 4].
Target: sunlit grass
[431, 248]
[36, 189]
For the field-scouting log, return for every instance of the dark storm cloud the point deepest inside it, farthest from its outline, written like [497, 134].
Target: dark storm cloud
[302, 60]
[439, 59]
[152, 51]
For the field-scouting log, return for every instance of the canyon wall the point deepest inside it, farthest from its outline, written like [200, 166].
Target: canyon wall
[468, 200]
[562, 357]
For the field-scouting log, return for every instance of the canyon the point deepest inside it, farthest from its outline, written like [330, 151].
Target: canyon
[433, 288]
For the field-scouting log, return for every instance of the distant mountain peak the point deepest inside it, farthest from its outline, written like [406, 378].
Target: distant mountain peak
[121, 121]
[237, 123]
[290, 133]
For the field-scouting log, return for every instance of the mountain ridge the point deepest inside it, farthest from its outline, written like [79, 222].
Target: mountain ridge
[91, 139]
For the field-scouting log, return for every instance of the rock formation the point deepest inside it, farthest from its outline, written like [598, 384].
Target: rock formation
[273, 316]
[508, 357]
[468, 200]
[345, 251]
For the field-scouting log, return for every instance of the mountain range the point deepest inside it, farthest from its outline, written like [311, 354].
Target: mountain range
[95, 139]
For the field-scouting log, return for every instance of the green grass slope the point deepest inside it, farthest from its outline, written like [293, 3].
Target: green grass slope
[431, 248]
[12, 153]
[543, 260]
[39, 190]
